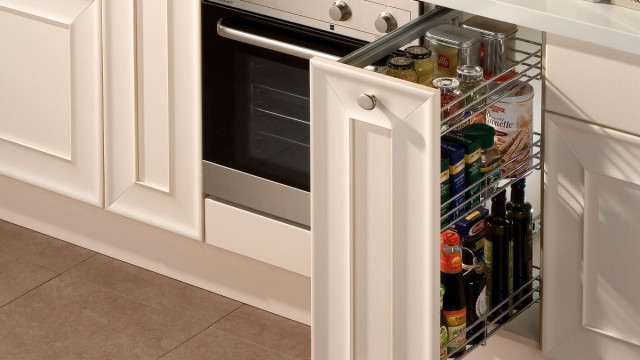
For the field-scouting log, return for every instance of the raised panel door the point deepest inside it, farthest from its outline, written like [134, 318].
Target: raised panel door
[51, 96]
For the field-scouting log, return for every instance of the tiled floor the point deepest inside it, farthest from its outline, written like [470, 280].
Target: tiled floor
[60, 301]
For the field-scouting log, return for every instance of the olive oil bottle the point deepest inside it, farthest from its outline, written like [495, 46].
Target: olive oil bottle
[498, 257]
[520, 212]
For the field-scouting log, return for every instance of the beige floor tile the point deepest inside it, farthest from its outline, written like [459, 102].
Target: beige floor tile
[67, 318]
[156, 290]
[40, 249]
[274, 332]
[18, 277]
[213, 344]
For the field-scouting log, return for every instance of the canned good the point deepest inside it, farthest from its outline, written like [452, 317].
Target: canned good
[512, 118]
[498, 49]
[453, 46]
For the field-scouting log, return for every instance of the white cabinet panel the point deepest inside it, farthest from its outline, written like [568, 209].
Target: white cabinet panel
[258, 237]
[152, 113]
[375, 229]
[592, 82]
[51, 96]
[592, 180]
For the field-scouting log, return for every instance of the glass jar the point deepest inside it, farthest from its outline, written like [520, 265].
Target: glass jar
[423, 63]
[470, 78]
[449, 91]
[401, 68]
[489, 157]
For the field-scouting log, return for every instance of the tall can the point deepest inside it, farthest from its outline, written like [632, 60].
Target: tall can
[498, 48]
[512, 118]
[453, 46]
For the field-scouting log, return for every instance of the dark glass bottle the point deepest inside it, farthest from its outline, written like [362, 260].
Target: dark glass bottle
[520, 212]
[444, 332]
[454, 303]
[498, 257]
[474, 291]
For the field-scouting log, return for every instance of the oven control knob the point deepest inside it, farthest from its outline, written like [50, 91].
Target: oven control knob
[386, 23]
[340, 11]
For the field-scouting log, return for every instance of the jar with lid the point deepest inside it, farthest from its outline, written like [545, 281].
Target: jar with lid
[489, 157]
[449, 92]
[471, 77]
[453, 46]
[423, 63]
[401, 68]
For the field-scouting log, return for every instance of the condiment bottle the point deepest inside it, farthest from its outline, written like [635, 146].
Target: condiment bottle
[471, 78]
[475, 294]
[423, 63]
[489, 156]
[449, 91]
[454, 303]
[498, 258]
[520, 212]
[444, 333]
[401, 68]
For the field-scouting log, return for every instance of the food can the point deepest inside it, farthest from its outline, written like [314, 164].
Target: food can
[453, 46]
[512, 118]
[498, 48]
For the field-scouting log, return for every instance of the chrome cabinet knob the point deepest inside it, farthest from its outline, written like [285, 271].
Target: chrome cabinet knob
[366, 101]
[386, 23]
[340, 11]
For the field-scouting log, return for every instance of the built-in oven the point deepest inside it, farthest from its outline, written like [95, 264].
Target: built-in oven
[255, 92]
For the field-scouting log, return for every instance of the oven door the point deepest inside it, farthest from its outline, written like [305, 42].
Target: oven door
[255, 81]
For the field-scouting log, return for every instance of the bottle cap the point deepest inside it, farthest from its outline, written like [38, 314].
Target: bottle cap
[470, 72]
[498, 203]
[446, 84]
[517, 191]
[417, 52]
[450, 238]
[484, 131]
[400, 63]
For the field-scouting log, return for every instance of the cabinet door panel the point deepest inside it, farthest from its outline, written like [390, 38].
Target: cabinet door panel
[51, 96]
[375, 270]
[592, 182]
[152, 113]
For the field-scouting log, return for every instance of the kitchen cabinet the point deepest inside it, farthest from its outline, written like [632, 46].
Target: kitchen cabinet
[64, 63]
[372, 259]
[592, 183]
[152, 113]
[51, 96]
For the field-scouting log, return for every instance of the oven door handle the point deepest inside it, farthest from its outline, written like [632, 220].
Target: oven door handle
[271, 44]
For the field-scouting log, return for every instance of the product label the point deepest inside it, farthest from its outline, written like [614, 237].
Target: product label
[470, 158]
[488, 265]
[444, 176]
[443, 61]
[456, 324]
[482, 51]
[450, 263]
[513, 123]
[481, 303]
[456, 168]
[444, 338]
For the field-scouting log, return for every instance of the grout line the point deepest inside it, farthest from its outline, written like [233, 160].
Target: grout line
[32, 290]
[184, 342]
[81, 262]
[234, 310]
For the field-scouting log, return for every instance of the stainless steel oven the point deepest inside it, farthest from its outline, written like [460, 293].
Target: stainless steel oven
[255, 91]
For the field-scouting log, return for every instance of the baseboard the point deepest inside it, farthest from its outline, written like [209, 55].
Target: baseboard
[238, 277]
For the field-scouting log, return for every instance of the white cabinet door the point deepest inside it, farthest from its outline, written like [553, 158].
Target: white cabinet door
[375, 223]
[152, 113]
[51, 96]
[591, 308]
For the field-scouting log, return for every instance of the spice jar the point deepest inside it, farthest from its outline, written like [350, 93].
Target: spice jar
[489, 157]
[471, 78]
[449, 91]
[401, 68]
[423, 63]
